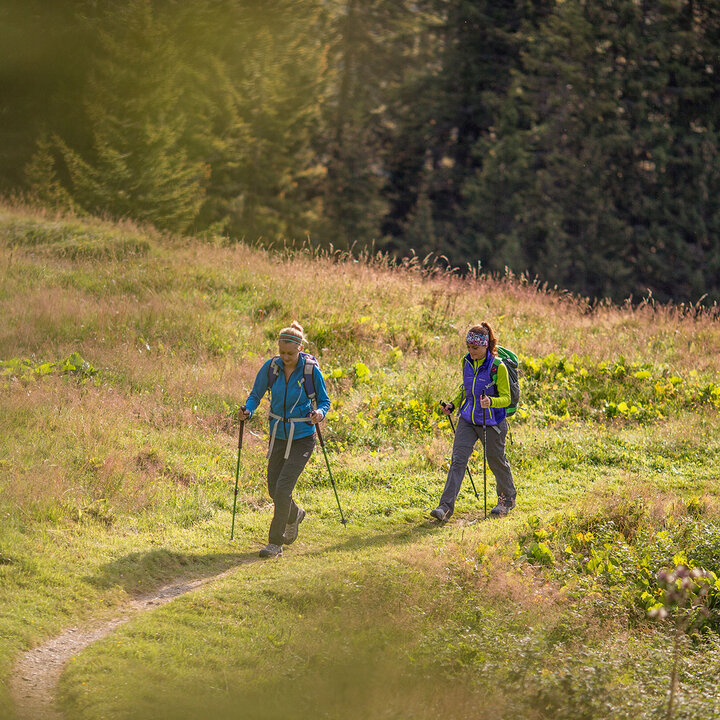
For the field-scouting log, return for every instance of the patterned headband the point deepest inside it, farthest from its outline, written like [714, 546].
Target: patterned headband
[284, 337]
[476, 338]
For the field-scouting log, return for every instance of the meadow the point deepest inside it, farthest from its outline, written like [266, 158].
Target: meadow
[124, 356]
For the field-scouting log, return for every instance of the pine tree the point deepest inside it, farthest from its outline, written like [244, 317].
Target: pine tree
[43, 61]
[138, 167]
[537, 203]
[452, 105]
[258, 97]
[680, 255]
[279, 98]
[44, 187]
[374, 45]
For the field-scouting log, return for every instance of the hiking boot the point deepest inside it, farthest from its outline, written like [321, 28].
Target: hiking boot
[291, 529]
[441, 514]
[503, 507]
[271, 550]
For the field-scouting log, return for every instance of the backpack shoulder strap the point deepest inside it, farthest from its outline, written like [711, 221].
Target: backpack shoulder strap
[308, 379]
[273, 371]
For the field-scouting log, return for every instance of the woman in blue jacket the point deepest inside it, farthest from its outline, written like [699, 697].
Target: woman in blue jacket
[298, 402]
[482, 397]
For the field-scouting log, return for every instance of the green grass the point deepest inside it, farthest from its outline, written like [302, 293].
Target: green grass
[121, 368]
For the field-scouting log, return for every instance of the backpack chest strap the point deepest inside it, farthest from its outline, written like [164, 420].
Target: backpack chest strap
[292, 420]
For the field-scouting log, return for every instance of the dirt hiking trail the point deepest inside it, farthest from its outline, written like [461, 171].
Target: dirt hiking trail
[36, 673]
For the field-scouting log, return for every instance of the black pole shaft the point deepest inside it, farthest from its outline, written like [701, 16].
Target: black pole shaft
[467, 468]
[237, 476]
[332, 481]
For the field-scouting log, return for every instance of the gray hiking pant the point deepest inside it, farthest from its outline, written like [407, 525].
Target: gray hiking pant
[282, 475]
[466, 435]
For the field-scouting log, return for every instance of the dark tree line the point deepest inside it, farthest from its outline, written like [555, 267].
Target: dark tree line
[576, 141]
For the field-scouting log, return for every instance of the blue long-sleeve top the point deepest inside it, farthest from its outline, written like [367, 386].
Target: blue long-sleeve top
[289, 399]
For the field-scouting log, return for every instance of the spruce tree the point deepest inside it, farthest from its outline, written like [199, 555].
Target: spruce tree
[257, 114]
[536, 203]
[138, 166]
[43, 185]
[450, 107]
[373, 46]
[680, 257]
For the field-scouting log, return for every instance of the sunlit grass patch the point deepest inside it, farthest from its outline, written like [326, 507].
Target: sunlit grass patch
[290, 638]
[74, 240]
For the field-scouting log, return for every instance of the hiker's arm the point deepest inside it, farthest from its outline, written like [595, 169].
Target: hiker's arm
[502, 383]
[259, 389]
[321, 395]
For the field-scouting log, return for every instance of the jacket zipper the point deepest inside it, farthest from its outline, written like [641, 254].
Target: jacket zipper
[475, 372]
[475, 376]
[285, 405]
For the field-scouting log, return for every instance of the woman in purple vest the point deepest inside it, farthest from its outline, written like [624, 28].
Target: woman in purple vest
[482, 398]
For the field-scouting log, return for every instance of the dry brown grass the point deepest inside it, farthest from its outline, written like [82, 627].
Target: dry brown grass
[337, 292]
[181, 332]
[536, 320]
[83, 447]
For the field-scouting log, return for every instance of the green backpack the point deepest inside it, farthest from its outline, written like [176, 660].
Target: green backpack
[512, 364]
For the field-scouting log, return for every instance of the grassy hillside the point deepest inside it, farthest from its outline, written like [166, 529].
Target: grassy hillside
[123, 358]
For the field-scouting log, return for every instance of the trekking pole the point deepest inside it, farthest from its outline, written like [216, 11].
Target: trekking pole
[484, 459]
[467, 467]
[237, 469]
[332, 482]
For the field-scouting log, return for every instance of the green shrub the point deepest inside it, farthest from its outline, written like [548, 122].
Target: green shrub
[615, 559]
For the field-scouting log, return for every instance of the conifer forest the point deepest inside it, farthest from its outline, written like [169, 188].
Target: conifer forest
[574, 142]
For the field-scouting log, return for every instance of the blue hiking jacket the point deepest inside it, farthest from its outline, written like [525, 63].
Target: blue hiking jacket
[289, 399]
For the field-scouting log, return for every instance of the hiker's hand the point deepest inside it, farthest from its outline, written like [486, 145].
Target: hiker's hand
[316, 416]
[244, 414]
[447, 408]
[485, 401]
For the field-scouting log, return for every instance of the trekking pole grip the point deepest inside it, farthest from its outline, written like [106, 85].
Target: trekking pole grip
[242, 428]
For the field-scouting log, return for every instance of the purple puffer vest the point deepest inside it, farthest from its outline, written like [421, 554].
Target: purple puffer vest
[475, 383]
